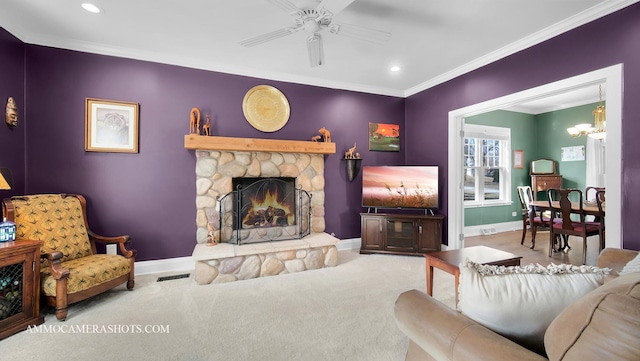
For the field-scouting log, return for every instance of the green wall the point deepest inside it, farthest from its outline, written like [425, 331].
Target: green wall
[540, 136]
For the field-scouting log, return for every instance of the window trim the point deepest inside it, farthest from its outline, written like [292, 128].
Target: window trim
[503, 134]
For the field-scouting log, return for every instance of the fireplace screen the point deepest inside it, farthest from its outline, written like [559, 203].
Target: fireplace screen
[264, 209]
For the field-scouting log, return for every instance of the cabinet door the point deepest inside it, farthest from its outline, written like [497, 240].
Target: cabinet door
[372, 235]
[400, 235]
[429, 235]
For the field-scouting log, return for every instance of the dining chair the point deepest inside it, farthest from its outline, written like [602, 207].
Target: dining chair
[590, 194]
[568, 226]
[530, 217]
[600, 200]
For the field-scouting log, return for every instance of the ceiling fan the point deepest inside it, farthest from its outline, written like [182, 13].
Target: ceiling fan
[313, 20]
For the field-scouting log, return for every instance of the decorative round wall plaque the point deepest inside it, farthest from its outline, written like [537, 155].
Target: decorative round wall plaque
[266, 108]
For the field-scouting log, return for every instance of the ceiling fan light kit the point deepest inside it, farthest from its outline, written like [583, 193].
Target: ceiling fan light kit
[313, 21]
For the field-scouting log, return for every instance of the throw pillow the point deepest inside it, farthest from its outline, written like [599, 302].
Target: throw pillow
[520, 302]
[631, 266]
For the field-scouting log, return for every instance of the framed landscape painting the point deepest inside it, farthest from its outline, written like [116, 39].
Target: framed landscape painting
[384, 137]
[111, 126]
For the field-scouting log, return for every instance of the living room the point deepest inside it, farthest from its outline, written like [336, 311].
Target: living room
[150, 195]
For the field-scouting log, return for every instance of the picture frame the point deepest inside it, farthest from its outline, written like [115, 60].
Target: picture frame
[518, 159]
[111, 126]
[384, 137]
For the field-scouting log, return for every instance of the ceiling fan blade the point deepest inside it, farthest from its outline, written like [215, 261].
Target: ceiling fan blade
[335, 6]
[316, 52]
[269, 36]
[286, 5]
[358, 32]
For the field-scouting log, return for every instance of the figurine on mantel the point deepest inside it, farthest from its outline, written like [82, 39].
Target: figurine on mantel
[194, 121]
[325, 136]
[351, 153]
[206, 128]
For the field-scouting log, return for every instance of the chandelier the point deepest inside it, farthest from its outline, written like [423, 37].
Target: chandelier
[598, 131]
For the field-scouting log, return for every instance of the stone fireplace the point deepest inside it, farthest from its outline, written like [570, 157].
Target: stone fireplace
[221, 164]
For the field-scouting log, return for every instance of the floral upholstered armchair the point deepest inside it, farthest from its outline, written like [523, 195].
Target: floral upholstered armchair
[71, 269]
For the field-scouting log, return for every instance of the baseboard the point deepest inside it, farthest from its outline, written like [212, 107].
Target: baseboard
[495, 228]
[351, 243]
[178, 264]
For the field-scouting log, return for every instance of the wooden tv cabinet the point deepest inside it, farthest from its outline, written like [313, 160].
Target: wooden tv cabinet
[401, 234]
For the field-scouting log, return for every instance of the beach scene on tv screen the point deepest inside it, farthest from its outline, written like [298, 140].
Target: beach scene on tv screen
[400, 187]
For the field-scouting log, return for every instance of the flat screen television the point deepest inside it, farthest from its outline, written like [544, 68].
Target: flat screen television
[411, 187]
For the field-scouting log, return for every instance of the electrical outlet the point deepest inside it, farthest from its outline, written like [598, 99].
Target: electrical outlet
[514, 214]
[112, 249]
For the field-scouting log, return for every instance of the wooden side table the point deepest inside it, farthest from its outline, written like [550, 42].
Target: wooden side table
[448, 261]
[19, 286]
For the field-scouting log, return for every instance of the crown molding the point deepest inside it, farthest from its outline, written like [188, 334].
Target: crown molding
[591, 14]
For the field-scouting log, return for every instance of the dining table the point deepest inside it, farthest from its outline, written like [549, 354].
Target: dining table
[588, 207]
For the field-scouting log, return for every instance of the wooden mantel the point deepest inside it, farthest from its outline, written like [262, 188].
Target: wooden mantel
[203, 142]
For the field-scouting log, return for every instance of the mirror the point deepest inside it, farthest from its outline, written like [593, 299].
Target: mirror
[543, 166]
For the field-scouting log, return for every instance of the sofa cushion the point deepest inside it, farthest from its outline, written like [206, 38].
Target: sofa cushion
[520, 302]
[631, 266]
[603, 325]
[86, 272]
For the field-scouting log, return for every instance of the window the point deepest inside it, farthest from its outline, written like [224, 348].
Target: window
[487, 159]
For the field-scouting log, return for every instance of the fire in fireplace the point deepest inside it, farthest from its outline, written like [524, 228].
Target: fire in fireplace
[265, 202]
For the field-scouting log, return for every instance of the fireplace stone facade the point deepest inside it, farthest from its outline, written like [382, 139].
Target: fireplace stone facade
[225, 262]
[215, 171]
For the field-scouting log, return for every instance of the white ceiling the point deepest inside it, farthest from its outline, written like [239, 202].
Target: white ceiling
[432, 41]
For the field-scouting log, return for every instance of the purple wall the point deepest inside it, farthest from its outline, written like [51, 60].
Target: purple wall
[12, 140]
[151, 195]
[608, 41]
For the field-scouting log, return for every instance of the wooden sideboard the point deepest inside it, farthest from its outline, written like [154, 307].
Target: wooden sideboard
[19, 286]
[540, 183]
[544, 175]
[407, 234]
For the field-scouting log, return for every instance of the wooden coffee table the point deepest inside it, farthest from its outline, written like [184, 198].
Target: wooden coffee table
[448, 261]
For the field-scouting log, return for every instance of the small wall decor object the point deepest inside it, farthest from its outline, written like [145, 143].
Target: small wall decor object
[194, 121]
[11, 113]
[351, 153]
[572, 154]
[206, 128]
[266, 108]
[111, 126]
[384, 137]
[518, 159]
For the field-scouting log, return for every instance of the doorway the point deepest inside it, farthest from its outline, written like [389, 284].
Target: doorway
[612, 76]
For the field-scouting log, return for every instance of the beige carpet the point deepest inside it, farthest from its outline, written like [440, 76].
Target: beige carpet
[339, 313]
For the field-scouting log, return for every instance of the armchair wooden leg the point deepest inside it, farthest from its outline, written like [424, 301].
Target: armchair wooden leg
[61, 299]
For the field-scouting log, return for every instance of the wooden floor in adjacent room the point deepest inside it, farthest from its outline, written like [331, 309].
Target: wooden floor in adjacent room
[510, 242]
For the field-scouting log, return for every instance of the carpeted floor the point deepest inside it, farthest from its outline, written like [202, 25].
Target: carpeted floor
[339, 313]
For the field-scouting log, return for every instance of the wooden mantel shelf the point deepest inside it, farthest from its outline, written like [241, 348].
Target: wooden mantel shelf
[203, 142]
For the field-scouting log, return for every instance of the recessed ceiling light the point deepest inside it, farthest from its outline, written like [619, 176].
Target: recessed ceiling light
[394, 68]
[91, 8]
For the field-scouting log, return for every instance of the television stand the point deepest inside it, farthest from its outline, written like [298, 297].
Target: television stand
[400, 234]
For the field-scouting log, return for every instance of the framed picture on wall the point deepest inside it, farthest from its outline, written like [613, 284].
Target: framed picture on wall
[111, 126]
[518, 159]
[384, 137]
